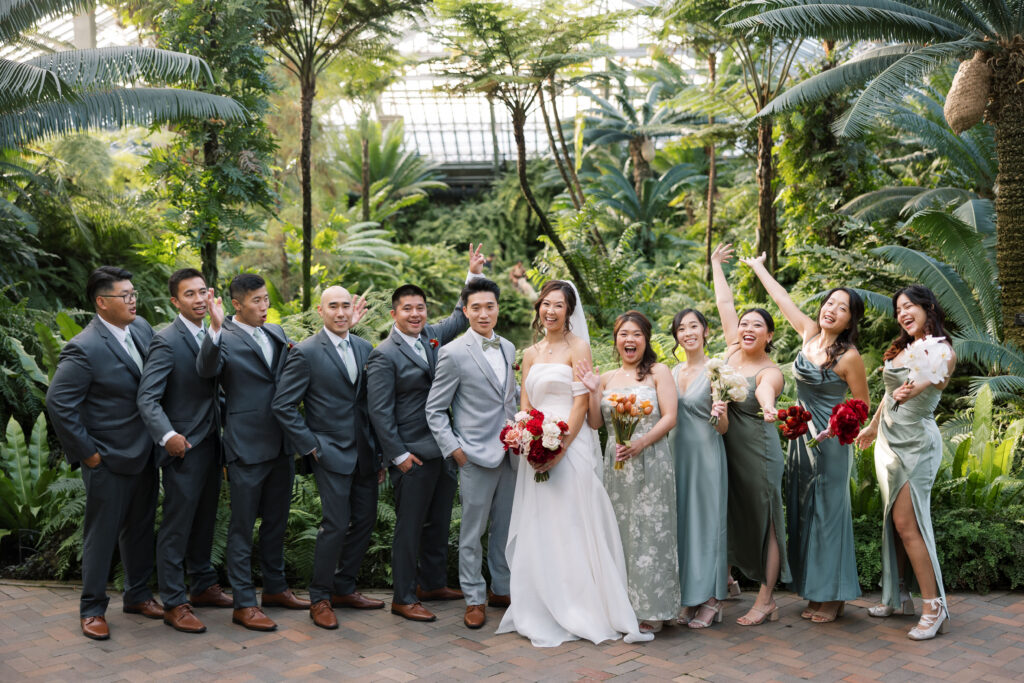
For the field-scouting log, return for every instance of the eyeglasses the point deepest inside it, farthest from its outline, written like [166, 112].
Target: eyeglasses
[130, 297]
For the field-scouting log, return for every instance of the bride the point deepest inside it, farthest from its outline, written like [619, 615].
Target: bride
[568, 575]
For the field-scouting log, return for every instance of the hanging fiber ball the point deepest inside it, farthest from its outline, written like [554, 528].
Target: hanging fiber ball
[968, 96]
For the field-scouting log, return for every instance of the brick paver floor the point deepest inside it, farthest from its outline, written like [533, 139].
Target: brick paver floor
[40, 640]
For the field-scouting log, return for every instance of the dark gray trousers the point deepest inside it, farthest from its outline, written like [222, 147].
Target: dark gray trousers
[261, 490]
[349, 504]
[119, 511]
[191, 488]
[423, 506]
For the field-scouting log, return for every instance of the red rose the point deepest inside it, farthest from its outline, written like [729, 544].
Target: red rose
[806, 416]
[792, 423]
[563, 426]
[434, 343]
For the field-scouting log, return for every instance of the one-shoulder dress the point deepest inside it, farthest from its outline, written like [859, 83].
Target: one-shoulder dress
[908, 452]
[702, 494]
[755, 463]
[822, 556]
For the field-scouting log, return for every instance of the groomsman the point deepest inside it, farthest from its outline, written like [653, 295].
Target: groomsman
[475, 378]
[91, 402]
[181, 413]
[326, 374]
[248, 354]
[398, 377]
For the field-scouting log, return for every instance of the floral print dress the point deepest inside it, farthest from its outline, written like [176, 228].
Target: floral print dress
[643, 495]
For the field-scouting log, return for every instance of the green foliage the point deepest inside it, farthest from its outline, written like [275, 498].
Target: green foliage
[24, 478]
[980, 549]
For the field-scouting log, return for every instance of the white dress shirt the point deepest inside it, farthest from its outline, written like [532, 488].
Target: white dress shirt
[193, 330]
[494, 357]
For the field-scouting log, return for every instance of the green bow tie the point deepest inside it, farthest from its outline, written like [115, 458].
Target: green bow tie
[490, 344]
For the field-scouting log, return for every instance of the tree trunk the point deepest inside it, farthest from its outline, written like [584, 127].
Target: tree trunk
[518, 128]
[766, 227]
[709, 151]
[1008, 96]
[555, 151]
[209, 240]
[641, 169]
[366, 178]
[308, 92]
[565, 147]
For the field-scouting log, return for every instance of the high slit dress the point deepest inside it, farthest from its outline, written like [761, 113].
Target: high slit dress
[755, 463]
[908, 452]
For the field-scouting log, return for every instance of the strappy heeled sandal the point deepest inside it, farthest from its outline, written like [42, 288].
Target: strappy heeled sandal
[771, 614]
[707, 614]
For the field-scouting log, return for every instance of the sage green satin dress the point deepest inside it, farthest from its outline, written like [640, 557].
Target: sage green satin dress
[819, 520]
[908, 452]
[755, 463]
[643, 495]
[702, 494]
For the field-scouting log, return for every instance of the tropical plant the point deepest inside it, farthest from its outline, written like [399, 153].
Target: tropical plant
[916, 38]
[307, 35]
[25, 475]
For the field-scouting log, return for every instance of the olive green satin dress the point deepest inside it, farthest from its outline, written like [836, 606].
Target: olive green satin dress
[702, 492]
[818, 515]
[908, 452]
[755, 463]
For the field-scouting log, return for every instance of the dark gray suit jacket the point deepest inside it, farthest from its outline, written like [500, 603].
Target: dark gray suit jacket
[397, 384]
[251, 431]
[91, 399]
[335, 423]
[172, 395]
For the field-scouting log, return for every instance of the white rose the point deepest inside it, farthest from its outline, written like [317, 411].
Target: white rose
[521, 415]
[550, 429]
[551, 442]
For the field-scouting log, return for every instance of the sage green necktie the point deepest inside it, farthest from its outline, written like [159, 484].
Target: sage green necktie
[264, 343]
[200, 336]
[348, 359]
[422, 351]
[133, 350]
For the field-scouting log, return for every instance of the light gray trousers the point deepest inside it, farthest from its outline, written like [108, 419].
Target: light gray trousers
[486, 495]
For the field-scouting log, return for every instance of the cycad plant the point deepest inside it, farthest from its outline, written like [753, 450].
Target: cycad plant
[916, 37]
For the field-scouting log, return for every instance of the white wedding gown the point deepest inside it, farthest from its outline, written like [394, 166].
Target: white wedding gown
[568, 575]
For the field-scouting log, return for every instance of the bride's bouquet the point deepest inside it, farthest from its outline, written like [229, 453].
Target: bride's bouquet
[726, 383]
[626, 415]
[536, 438]
[928, 362]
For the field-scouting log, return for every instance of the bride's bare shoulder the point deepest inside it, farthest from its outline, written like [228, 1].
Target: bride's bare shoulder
[529, 353]
[579, 348]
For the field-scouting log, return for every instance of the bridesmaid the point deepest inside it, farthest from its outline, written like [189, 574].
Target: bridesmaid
[819, 517]
[643, 492]
[701, 483]
[757, 541]
[907, 458]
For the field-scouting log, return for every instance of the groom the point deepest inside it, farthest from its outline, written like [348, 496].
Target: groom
[475, 379]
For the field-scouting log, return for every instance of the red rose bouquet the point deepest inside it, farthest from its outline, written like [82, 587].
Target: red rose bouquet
[534, 437]
[793, 421]
[846, 421]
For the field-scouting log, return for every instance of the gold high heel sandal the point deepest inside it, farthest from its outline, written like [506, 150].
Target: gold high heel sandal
[771, 614]
[827, 617]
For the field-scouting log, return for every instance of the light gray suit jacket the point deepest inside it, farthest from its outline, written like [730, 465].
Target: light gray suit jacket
[480, 402]
[91, 399]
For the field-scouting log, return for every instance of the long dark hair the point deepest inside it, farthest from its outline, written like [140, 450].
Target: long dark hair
[570, 303]
[847, 339]
[647, 361]
[934, 317]
[769, 322]
[678, 320]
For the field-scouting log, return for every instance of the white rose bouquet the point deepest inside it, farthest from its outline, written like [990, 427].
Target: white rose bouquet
[927, 360]
[726, 384]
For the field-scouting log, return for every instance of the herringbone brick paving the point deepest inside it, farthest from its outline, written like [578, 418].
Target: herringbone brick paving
[40, 640]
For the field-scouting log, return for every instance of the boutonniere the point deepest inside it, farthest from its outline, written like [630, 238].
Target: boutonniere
[434, 343]
[291, 346]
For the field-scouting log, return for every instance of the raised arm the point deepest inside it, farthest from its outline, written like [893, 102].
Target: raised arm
[804, 325]
[594, 382]
[723, 294]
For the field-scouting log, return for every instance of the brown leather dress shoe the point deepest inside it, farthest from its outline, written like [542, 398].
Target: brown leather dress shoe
[356, 601]
[475, 617]
[323, 615]
[95, 628]
[439, 594]
[287, 599]
[253, 619]
[150, 608]
[495, 600]
[214, 596]
[413, 612]
[181, 618]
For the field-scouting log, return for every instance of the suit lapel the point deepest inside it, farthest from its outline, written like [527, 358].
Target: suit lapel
[411, 354]
[186, 334]
[361, 355]
[508, 351]
[331, 350]
[248, 340]
[278, 344]
[117, 347]
[477, 354]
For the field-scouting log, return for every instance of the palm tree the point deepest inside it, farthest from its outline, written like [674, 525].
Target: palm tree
[307, 36]
[75, 90]
[919, 36]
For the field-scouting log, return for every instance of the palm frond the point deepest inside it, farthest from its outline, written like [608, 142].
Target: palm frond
[18, 16]
[880, 303]
[936, 197]
[887, 202]
[106, 67]
[22, 83]
[954, 294]
[115, 108]
[988, 352]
